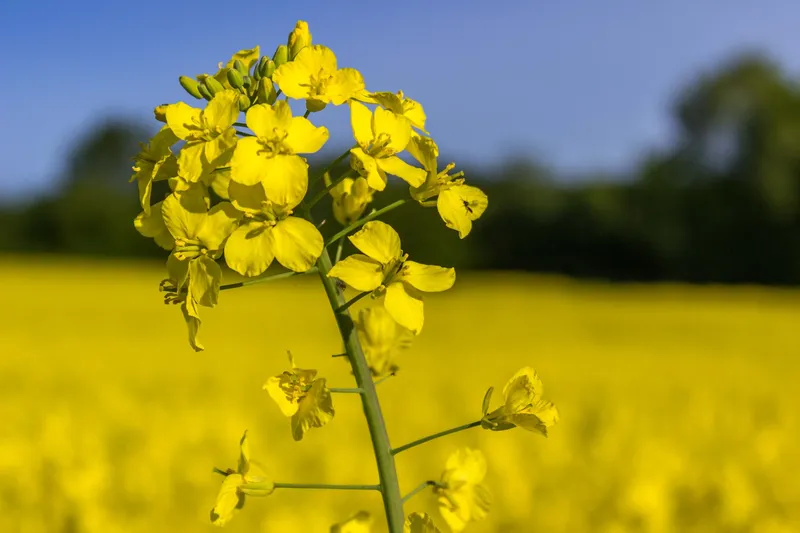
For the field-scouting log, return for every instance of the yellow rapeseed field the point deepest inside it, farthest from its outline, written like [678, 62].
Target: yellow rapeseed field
[679, 405]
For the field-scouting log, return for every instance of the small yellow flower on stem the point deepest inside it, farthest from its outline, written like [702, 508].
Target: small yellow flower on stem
[248, 479]
[314, 76]
[419, 523]
[350, 198]
[269, 231]
[462, 497]
[458, 204]
[154, 162]
[299, 39]
[385, 269]
[398, 104]
[209, 134]
[523, 406]
[303, 397]
[381, 136]
[271, 156]
[382, 339]
[361, 522]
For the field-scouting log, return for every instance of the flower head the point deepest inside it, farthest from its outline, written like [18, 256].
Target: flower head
[154, 162]
[361, 522]
[458, 204]
[208, 133]
[350, 198]
[381, 136]
[314, 75]
[462, 497]
[384, 269]
[248, 479]
[382, 339]
[419, 523]
[523, 405]
[303, 397]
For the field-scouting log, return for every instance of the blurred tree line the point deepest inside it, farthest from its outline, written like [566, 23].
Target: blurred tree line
[720, 205]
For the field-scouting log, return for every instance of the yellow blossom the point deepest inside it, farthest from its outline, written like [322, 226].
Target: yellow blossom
[385, 269]
[458, 204]
[208, 133]
[382, 339]
[462, 498]
[271, 156]
[419, 523]
[154, 162]
[248, 479]
[398, 104]
[299, 38]
[523, 405]
[315, 77]
[381, 136]
[269, 232]
[302, 397]
[350, 198]
[361, 522]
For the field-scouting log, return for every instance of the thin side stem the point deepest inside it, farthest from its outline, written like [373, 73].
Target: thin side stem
[387, 472]
[324, 486]
[429, 438]
[351, 301]
[330, 167]
[360, 222]
[339, 251]
[308, 112]
[419, 488]
[342, 390]
[274, 277]
[384, 378]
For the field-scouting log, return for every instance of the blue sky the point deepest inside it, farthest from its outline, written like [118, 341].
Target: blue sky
[578, 84]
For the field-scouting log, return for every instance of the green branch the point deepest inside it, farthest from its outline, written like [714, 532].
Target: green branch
[419, 488]
[429, 438]
[323, 486]
[351, 301]
[360, 222]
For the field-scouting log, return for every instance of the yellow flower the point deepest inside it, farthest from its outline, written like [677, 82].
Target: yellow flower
[419, 523]
[315, 77]
[154, 162]
[385, 269]
[523, 405]
[350, 198]
[199, 235]
[361, 522]
[271, 156]
[302, 397]
[398, 104]
[458, 204]
[208, 133]
[382, 338]
[462, 498]
[269, 232]
[381, 136]
[150, 223]
[248, 479]
[299, 39]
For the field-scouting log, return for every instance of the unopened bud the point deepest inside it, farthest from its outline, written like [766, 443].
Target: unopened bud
[235, 78]
[247, 81]
[213, 85]
[205, 92]
[244, 102]
[315, 106]
[261, 67]
[281, 55]
[191, 86]
[240, 67]
[266, 92]
[360, 187]
[299, 38]
[161, 113]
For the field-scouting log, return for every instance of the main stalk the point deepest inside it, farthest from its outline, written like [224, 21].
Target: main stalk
[389, 485]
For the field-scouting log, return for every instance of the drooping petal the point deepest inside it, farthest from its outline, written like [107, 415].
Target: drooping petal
[152, 225]
[397, 167]
[183, 119]
[264, 119]
[244, 454]
[297, 243]
[285, 180]
[220, 223]
[248, 165]
[405, 306]
[305, 138]
[273, 386]
[229, 500]
[428, 278]
[192, 319]
[378, 240]
[204, 279]
[315, 410]
[359, 272]
[185, 213]
[361, 122]
[222, 111]
[459, 205]
[250, 249]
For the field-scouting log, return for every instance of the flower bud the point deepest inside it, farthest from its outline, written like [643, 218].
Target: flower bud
[213, 85]
[299, 39]
[244, 102]
[261, 68]
[235, 78]
[240, 67]
[205, 92]
[281, 55]
[191, 86]
[247, 82]
[315, 106]
[266, 92]
[161, 113]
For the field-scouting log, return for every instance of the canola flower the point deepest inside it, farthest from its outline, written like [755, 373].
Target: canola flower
[240, 193]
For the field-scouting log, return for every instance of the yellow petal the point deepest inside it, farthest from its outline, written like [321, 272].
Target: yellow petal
[222, 111]
[250, 249]
[419, 523]
[538, 418]
[177, 270]
[229, 500]
[218, 151]
[152, 225]
[293, 77]
[367, 166]
[460, 205]
[378, 240]
[397, 167]
[297, 243]
[183, 119]
[405, 306]
[220, 223]
[361, 122]
[358, 271]
[360, 522]
[191, 165]
[285, 179]
[428, 278]
[424, 150]
[244, 454]
[220, 180]
[524, 388]
[397, 127]
[305, 138]
[273, 386]
[248, 165]
[185, 213]
[192, 319]
[466, 466]
[247, 198]
[382, 338]
[414, 112]
[315, 410]
[264, 119]
[204, 279]
[346, 83]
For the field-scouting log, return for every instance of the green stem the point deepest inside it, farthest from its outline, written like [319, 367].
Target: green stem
[331, 166]
[339, 250]
[387, 473]
[308, 112]
[351, 301]
[419, 488]
[323, 486]
[341, 390]
[423, 440]
[274, 277]
[384, 378]
[360, 222]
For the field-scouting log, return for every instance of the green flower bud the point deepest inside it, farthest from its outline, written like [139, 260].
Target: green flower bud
[281, 55]
[204, 91]
[235, 78]
[247, 82]
[261, 68]
[266, 92]
[191, 86]
[315, 105]
[244, 102]
[299, 39]
[213, 85]
[270, 68]
[240, 67]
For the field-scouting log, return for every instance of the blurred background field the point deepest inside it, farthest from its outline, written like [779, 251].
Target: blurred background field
[678, 403]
